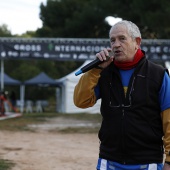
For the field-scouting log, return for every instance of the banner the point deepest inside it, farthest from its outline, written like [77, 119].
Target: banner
[72, 49]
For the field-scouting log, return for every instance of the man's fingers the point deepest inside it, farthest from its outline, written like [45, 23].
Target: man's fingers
[104, 54]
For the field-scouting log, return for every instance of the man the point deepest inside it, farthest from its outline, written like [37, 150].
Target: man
[135, 104]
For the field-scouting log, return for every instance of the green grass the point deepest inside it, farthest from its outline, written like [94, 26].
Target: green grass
[6, 164]
[78, 130]
[21, 123]
[93, 118]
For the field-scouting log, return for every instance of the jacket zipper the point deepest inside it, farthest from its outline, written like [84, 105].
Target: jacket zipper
[123, 135]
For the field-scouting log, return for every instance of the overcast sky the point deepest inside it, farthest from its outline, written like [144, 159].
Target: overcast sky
[23, 15]
[20, 15]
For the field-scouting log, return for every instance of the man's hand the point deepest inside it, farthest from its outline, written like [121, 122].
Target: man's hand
[103, 56]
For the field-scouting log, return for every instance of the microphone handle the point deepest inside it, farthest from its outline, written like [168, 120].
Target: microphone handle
[91, 65]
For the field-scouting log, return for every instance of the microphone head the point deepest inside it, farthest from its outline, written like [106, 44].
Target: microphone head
[78, 72]
[111, 53]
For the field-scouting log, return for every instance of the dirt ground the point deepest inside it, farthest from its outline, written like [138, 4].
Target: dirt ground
[44, 150]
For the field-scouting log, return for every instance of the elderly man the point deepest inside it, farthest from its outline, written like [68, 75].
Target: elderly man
[135, 104]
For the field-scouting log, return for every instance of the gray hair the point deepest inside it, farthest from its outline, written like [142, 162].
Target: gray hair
[132, 28]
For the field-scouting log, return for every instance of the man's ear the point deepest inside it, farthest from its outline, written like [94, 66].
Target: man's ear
[138, 41]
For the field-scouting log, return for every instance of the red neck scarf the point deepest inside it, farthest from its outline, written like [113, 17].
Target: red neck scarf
[130, 64]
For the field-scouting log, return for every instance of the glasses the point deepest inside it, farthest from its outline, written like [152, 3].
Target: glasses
[130, 97]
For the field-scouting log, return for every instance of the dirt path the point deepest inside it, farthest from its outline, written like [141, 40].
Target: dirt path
[44, 150]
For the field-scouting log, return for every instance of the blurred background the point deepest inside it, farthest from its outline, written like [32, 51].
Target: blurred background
[70, 19]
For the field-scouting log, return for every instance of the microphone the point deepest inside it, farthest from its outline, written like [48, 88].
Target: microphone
[92, 64]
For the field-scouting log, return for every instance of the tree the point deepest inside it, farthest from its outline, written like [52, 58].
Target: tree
[28, 34]
[151, 17]
[4, 31]
[86, 19]
[75, 18]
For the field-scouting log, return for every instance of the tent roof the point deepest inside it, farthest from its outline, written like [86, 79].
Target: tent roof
[10, 81]
[71, 76]
[41, 79]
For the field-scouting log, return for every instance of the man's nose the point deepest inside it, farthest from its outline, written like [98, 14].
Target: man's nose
[116, 43]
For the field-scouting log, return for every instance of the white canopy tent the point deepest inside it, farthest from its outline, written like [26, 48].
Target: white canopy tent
[64, 95]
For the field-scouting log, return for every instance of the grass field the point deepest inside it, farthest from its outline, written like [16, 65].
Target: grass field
[21, 124]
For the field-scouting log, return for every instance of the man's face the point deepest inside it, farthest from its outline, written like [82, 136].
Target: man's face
[122, 44]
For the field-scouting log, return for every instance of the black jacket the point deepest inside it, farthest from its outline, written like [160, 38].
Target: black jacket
[131, 130]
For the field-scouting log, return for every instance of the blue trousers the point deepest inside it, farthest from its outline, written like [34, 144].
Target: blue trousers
[109, 165]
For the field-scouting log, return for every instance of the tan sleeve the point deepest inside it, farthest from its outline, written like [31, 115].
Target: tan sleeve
[166, 129]
[84, 95]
